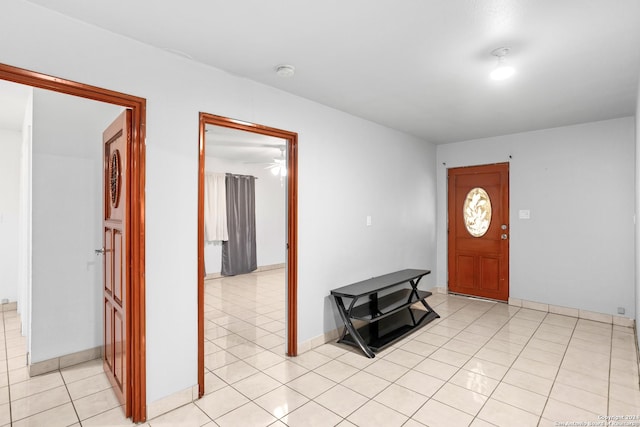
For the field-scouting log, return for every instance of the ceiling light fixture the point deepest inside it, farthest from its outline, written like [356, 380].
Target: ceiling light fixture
[503, 70]
[285, 70]
[279, 165]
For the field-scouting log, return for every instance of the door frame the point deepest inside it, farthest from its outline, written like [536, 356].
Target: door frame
[505, 203]
[136, 405]
[292, 228]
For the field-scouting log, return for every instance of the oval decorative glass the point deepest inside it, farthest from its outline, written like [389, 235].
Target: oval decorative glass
[477, 212]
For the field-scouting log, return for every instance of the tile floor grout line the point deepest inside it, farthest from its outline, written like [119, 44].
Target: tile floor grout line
[609, 371]
[6, 357]
[459, 368]
[332, 387]
[231, 385]
[636, 345]
[426, 357]
[553, 383]
[73, 403]
[500, 381]
[511, 367]
[508, 367]
[336, 385]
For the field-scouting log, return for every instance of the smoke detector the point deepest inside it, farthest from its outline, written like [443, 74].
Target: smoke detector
[285, 70]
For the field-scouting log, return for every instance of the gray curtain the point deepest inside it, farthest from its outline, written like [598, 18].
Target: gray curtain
[239, 252]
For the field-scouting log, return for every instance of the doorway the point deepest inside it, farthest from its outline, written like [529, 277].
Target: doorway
[478, 231]
[135, 352]
[291, 139]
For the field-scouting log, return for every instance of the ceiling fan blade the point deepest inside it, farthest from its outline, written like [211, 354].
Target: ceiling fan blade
[227, 143]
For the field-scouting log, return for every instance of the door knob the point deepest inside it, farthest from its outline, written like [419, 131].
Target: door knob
[503, 226]
[503, 236]
[100, 251]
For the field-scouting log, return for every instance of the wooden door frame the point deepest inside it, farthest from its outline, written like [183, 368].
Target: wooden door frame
[505, 202]
[292, 228]
[136, 405]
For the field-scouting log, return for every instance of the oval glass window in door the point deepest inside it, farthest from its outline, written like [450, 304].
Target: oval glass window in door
[114, 178]
[477, 212]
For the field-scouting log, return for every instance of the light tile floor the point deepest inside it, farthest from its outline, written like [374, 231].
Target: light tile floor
[480, 364]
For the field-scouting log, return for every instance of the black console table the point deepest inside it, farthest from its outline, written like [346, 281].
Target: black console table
[389, 317]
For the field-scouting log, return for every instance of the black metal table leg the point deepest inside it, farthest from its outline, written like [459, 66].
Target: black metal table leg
[357, 338]
[374, 330]
[414, 287]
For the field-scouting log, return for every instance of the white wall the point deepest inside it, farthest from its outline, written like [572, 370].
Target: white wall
[348, 168]
[67, 223]
[354, 173]
[577, 250]
[10, 154]
[271, 220]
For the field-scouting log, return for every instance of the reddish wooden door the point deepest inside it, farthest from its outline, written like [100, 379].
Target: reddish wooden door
[478, 232]
[116, 139]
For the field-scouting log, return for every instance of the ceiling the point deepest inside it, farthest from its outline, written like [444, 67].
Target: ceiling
[240, 146]
[420, 66]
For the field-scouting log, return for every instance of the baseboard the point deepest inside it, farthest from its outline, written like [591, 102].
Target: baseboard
[319, 340]
[9, 306]
[258, 270]
[565, 311]
[574, 312]
[171, 402]
[269, 267]
[62, 362]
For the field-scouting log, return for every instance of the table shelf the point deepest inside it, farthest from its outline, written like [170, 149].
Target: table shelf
[391, 328]
[388, 305]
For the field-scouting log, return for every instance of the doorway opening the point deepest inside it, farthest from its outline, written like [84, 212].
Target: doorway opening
[291, 141]
[135, 405]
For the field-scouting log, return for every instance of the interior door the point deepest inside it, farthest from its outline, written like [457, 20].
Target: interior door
[478, 234]
[116, 140]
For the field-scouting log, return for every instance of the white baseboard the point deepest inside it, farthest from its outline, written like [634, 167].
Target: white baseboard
[50, 365]
[171, 402]
[259, 269]
[565, 311]
[319, 340]
[9, 306]
[574, 312]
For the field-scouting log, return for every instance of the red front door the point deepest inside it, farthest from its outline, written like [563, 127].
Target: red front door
[116, 140]
[478, 235]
